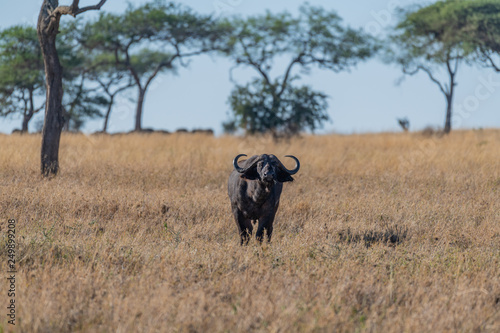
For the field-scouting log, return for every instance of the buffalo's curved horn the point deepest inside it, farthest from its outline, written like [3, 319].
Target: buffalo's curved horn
[297, 165]
[235, 164]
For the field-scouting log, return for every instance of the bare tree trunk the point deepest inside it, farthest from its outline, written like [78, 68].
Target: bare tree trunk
[447, 123]
[48, 28]
[449, 104]
[138, 112]
[24, 128]
[452, 71]
[111, 103]
[26, 119]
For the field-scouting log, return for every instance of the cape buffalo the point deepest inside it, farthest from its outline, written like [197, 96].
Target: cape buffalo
[254, 189]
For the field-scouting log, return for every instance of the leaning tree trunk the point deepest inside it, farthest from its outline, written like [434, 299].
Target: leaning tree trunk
[108, 113]
[29, 113]
[48, 28]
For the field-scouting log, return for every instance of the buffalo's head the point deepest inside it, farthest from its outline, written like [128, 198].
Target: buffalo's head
[266, 168]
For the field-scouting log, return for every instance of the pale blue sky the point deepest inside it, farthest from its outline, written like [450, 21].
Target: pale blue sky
[363, 100]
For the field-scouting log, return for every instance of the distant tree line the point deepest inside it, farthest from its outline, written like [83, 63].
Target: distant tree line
[93, 61]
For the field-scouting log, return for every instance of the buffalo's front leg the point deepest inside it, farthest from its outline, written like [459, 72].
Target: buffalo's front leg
[265, 223]
[245, 226]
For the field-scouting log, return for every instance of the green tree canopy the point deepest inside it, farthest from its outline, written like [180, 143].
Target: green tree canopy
[151, 39]
[21, 73]
[477, 25]
[315, 38]
[22, 77]
[255, 111]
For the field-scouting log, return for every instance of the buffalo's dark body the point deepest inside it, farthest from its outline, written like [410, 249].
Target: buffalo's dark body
[255, 192]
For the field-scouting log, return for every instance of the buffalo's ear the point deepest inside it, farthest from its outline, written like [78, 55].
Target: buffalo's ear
[251, 174]
[283, 176]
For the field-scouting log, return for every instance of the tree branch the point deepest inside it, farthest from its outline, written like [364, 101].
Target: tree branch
[6, 112]
[129, 67]
[429, 73]
[40, 108]
[254, 64]
[107, 86]
[492, 62]
[457, 60]
[77, 10]
[51, 20]
[287, 73]
[231, 78]
[452, 71]
[160, 66]
[122, 88]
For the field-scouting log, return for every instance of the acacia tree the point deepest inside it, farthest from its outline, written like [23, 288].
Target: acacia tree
[81, 102]
[47, 29]
[93, 79]
[82, 99]
[21, 73]
[112, 80]
[314, 38]
[426, 40]
[149, 40]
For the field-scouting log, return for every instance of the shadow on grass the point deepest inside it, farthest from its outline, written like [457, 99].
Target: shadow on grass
[391, 236]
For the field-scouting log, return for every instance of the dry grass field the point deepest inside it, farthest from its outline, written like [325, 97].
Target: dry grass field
[378, 233]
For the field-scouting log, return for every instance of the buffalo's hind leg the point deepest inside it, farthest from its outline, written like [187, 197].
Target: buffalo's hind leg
[245, 226]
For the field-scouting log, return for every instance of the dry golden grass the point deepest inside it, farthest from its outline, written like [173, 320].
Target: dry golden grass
[379, 233]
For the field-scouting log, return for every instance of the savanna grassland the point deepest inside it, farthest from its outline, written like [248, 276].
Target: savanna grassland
[378, 233]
